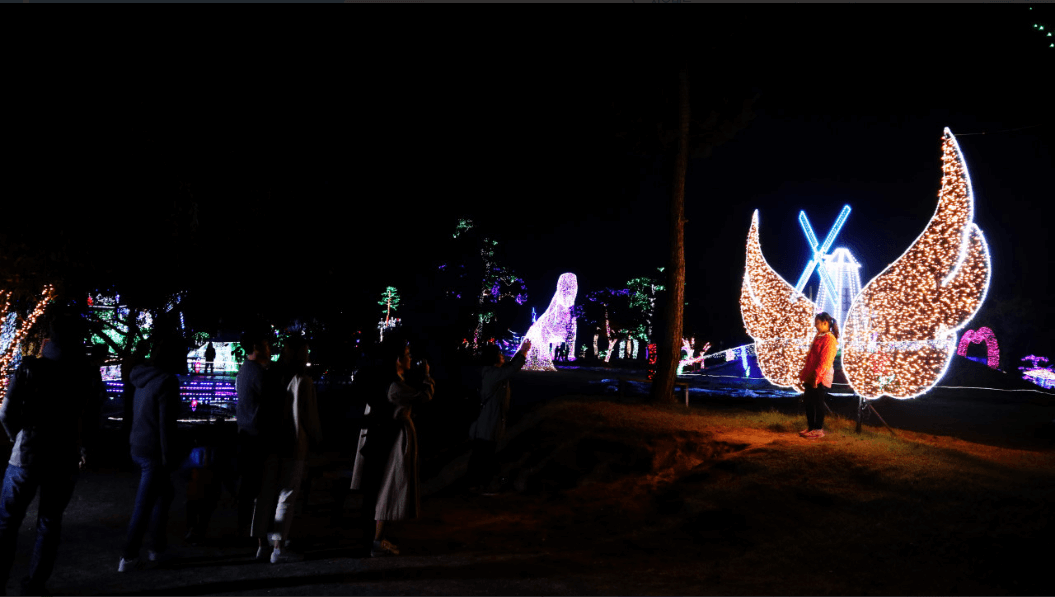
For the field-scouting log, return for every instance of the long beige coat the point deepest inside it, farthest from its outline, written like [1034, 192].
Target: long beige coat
[400, 495]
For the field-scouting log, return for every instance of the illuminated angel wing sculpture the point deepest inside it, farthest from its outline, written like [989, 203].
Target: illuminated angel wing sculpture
[778, 318]
[554, 326]
[900, 332]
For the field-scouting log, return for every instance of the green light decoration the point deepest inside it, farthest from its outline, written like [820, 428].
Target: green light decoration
[390, 302]
[464, 224]
[116, 326]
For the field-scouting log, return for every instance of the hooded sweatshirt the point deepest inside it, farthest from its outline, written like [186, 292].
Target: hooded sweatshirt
[46, 409]
[157, 402]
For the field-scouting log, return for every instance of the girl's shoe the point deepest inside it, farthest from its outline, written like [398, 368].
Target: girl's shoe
[805, 432]
[815, 434]
[127, 565]
[383, 548]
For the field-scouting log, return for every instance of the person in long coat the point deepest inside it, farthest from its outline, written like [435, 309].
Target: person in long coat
[488, 430]
[298, 430]
[394, 490]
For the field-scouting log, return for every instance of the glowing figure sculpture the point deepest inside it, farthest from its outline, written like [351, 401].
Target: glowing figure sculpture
[983, 334]
[777, 316]
[820, 250]
[1038, 374]
[843, 271]
[554, 326]
[900, 333]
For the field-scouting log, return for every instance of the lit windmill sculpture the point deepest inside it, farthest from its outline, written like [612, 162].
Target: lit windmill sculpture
[844, 271]
[820, 251]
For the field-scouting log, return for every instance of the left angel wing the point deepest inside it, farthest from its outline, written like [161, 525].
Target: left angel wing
[779, 319]
[900, 332]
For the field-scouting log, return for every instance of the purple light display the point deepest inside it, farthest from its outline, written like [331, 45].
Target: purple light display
[983, 334]
[1038, 374]
[554, 326]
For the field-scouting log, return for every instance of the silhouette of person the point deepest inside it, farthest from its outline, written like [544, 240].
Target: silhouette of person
[210, 356]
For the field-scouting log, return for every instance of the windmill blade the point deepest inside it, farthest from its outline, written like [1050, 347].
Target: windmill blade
[901, 329]
[782, 325]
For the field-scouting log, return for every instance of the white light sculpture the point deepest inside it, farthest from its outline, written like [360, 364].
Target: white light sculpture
[843, 271]
[900, 333]
[779, 318]
[555, 325]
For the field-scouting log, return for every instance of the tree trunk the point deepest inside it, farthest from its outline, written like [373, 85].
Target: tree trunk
[669, 348]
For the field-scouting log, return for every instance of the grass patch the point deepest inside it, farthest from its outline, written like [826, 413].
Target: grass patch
[735, 502]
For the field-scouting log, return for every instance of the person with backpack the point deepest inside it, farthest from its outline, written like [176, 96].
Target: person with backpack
[47, 415]
[489, 428]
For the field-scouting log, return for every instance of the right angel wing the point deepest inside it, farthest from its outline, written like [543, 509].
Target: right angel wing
[900, 332]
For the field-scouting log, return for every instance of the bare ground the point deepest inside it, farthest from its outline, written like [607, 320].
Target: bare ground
[612, 497]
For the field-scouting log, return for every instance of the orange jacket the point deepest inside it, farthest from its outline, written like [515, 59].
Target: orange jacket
[819, 360]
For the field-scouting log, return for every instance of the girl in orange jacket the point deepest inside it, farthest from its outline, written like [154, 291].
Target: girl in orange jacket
[817, 373]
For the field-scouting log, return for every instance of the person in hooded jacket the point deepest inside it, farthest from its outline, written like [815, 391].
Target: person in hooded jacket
[154, 448]
[45, 414]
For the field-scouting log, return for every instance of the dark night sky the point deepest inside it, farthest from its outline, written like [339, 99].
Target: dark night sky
[353, 174]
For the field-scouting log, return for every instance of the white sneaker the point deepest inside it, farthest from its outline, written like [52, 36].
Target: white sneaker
[285, 555]
[261, 552]
[127, 565]
[156, 556]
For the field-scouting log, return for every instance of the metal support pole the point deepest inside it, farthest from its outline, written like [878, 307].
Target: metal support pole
[888, 428]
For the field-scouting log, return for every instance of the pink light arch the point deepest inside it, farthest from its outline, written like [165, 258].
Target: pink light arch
[986, 335]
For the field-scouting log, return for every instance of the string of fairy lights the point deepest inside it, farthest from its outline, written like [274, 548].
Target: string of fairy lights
[9, 353]
[1043, 30]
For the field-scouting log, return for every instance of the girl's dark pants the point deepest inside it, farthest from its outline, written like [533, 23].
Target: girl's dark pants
[814, 401]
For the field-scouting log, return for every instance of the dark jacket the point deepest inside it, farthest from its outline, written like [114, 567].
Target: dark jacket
[47, 412]
[250, 385]
[157, 404]
[494, 396]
